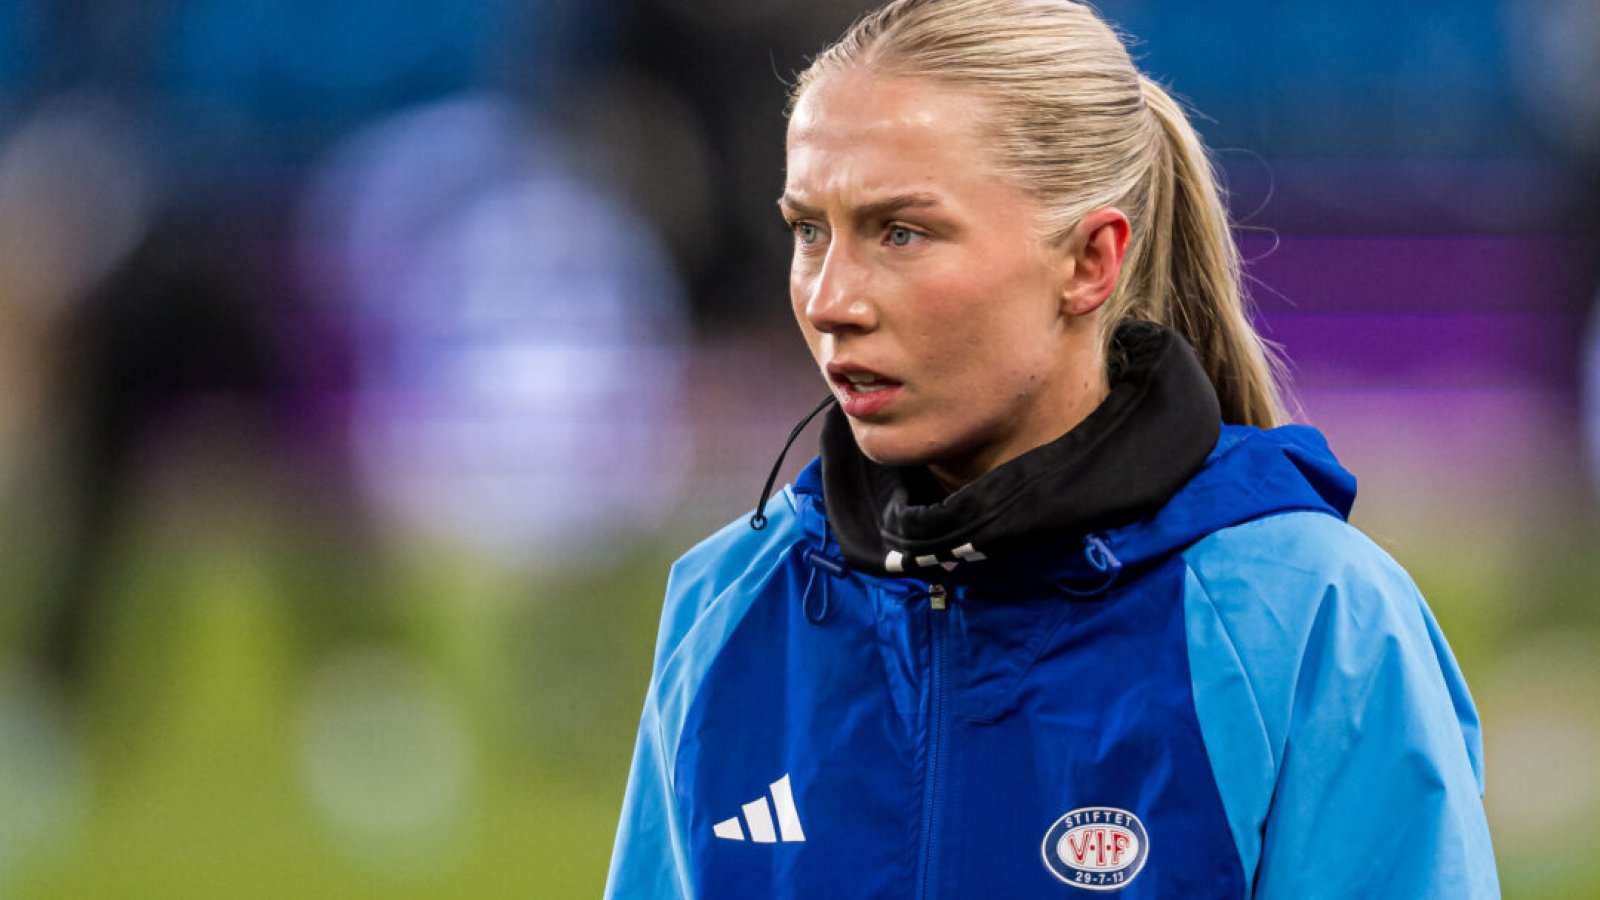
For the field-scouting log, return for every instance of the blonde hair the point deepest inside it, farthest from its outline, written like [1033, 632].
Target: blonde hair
[1080, 127]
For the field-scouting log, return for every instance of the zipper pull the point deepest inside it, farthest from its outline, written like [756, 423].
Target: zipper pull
[936, 596]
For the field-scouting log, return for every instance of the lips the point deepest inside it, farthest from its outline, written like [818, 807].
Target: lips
[862, 392]
[867, 383]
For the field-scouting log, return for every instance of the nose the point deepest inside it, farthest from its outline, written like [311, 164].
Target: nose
[838, 297]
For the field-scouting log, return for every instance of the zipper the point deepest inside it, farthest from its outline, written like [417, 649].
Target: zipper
[939, 627]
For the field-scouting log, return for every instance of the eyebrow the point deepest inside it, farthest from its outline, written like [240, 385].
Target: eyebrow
[877, 209]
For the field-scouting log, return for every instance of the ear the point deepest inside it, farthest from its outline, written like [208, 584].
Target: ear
[1093, 253]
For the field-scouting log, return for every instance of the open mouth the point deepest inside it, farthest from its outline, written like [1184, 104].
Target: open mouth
[864, 382]
[863, 393]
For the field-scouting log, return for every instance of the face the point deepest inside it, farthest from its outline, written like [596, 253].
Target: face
[926, 293]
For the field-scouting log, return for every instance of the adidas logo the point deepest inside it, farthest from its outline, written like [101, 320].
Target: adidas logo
[758, 815]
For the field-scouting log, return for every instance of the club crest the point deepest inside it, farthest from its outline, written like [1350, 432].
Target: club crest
[1098, 848]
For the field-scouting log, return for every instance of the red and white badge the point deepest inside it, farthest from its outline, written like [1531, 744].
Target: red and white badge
[1097, 848]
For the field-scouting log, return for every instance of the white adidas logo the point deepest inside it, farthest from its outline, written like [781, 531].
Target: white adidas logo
[758, 815]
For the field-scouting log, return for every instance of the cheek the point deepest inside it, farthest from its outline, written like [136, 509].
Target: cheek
[799, 292]
[812, 337]
[1001, 355]
[813, 342]
[797, 300]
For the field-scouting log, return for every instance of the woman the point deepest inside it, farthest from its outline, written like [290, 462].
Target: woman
[1057, 610]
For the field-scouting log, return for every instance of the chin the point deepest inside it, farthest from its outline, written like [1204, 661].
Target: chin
[890, 445]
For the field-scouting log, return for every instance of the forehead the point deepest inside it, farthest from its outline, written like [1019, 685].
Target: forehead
[856, 128]
[865, 101]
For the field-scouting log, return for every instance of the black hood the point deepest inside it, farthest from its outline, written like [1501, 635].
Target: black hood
[1140, 446]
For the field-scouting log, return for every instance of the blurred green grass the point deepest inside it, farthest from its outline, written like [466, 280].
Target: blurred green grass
[193, 728]
[192, 724]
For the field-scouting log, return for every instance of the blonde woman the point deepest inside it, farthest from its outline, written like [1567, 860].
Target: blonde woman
[1060, 610]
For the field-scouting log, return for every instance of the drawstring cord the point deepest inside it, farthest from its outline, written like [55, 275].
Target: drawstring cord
[759, 520]
[1098, 554]
[805, 600]
[833, 570]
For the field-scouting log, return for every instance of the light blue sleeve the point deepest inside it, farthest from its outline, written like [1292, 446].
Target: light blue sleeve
[708, 593]
[1340, 731]
[647, 859]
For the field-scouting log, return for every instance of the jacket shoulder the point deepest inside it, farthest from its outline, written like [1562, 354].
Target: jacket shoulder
[1279, 598]
[705, 580]
[1316, 664]
[1306, 549]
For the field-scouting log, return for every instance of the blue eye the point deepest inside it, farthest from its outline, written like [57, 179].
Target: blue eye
[901, 236]
[805, 232]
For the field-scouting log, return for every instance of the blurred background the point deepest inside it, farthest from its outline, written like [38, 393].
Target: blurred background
[364, 363]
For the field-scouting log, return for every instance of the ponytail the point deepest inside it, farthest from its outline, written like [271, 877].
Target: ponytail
[1183, 270]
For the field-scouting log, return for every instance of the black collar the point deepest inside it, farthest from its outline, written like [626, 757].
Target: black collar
[1144, 442]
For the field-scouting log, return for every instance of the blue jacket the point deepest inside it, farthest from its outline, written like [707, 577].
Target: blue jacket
[1237, 696]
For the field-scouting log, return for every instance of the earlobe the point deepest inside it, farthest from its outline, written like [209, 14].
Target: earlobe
[1096, 248]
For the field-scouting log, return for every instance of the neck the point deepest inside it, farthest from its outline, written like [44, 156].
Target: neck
[1084, 391]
